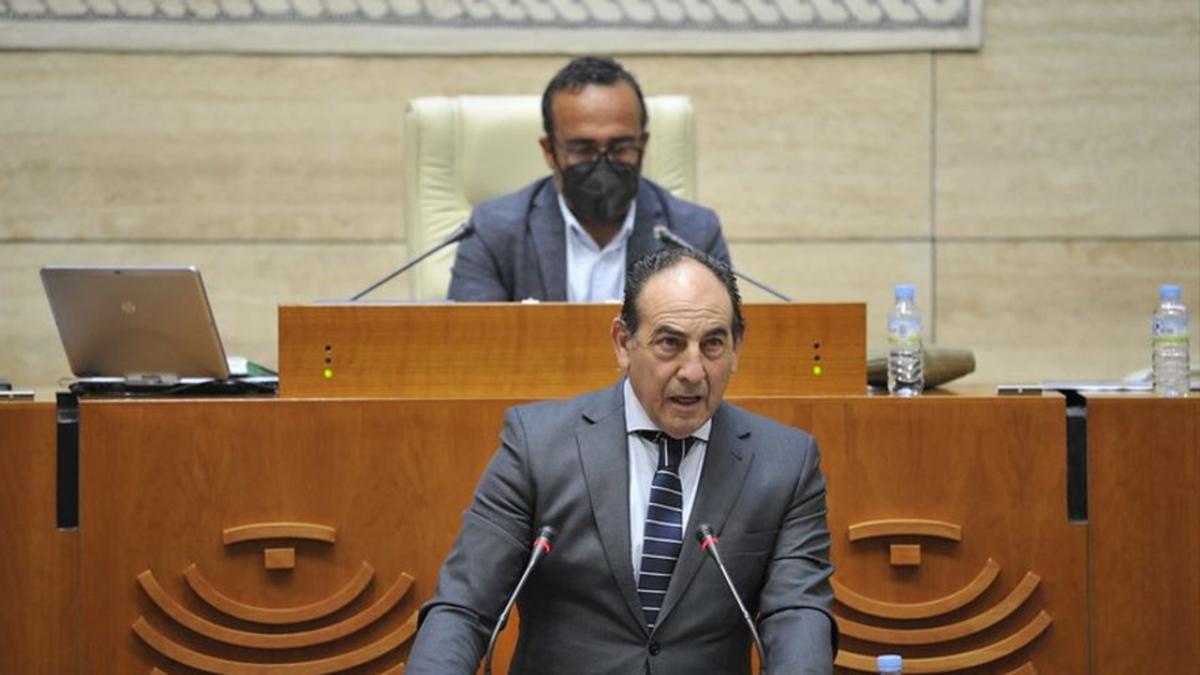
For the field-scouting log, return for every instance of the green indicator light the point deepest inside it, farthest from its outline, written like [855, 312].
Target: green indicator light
[328, 372]
[817, 370]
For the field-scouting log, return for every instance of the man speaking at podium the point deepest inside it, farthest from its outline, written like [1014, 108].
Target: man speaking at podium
[567, 237]
[627, 475]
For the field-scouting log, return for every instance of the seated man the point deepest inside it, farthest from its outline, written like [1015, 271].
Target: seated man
[568, 236]
[626, 475]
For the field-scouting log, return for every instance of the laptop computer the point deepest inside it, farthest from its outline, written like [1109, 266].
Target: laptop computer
[137, 325]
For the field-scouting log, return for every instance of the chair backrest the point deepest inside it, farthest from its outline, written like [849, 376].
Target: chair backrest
[464, 150]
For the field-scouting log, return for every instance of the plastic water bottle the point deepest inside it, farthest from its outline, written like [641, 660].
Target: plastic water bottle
[906, 362]
[1170, 341]
[889, 663]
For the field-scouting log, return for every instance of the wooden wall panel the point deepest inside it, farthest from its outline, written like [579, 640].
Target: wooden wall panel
[1144, 517]
[995, 467]
[39, 582]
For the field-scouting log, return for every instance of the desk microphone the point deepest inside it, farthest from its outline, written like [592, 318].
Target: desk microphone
[541, 548]
[708, 543]
[461, 232]
[669, 238]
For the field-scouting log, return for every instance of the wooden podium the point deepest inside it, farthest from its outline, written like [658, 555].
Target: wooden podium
[542, 350]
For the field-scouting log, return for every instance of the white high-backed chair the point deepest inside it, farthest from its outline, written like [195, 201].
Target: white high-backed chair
[463, 150]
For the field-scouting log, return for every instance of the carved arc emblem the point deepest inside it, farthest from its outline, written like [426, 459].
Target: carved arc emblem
[280, 623]
[892, 639]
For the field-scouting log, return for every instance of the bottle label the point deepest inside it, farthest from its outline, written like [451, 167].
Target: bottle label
[1170, 329]
[904, 330]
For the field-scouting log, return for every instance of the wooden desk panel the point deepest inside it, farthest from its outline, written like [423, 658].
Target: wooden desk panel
[162, 480]
[544, 350]
[1144, 513]
[39, 583]
[993, 467]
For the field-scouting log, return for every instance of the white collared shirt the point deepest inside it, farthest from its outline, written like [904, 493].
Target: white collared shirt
[595, 274]
[643, 462]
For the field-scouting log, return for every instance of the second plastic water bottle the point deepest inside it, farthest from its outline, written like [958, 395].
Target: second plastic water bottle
[1170, 341]
[906, 362]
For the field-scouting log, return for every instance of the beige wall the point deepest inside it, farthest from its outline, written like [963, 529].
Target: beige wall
[1036, 192]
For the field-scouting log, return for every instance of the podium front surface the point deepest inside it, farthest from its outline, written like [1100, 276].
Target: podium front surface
[222, 535]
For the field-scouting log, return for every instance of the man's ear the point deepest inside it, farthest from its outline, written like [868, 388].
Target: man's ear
[548, 152]
[737, 351]
[621, 338]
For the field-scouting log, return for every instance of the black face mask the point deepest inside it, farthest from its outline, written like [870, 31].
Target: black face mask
[600, 191]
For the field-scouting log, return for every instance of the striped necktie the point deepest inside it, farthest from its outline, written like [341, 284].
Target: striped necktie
[663, 536]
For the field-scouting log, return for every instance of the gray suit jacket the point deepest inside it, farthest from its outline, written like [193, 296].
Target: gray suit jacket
[519, 249]
[565, 463]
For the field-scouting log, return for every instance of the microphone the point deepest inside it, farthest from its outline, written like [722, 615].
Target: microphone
[461, 232]
[669, 238]
[708, 543]
[541, 548]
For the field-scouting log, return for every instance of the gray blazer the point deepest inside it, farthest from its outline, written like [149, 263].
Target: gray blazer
[519, 249]
[565, 463]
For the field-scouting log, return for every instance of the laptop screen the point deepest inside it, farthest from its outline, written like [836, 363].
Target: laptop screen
[134, 321]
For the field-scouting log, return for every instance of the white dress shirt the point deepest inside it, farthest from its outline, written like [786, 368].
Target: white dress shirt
[643, 462]
[595, 274]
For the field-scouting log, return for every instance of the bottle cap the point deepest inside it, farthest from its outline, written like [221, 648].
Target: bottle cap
[889, 663]
[1165, 292]
[908, 291]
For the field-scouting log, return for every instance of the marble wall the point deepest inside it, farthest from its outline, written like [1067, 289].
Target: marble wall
[1037, 192]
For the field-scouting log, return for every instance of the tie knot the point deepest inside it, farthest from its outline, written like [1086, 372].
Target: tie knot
[671, 451]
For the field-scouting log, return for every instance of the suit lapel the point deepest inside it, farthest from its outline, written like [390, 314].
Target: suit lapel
[726, 462]
[603, 451]
[548, 232]
[649, 213]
